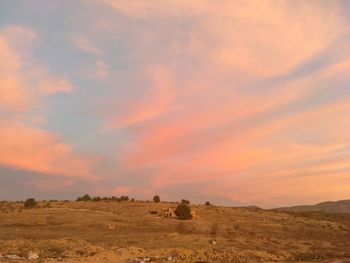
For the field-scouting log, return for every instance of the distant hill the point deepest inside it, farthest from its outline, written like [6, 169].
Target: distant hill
[342, 206]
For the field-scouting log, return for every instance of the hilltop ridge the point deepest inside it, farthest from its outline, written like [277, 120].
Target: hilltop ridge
[339, 207]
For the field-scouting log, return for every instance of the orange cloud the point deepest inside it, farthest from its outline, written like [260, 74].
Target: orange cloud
[37, 150]
[21, 91]
[13, 95]
[227, 146]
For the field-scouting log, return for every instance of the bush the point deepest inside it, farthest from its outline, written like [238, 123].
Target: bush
[30, 203]
[207, 203]
[156, 199]
[84, 198]
[96, 199]
[183, 211]
[124, 198]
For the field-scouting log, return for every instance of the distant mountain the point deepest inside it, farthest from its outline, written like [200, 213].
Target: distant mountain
[342, 206]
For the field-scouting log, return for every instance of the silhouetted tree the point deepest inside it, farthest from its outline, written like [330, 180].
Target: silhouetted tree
[124, 198]
[156, 199]
[185, 201]
[84, 198]
[30, 203]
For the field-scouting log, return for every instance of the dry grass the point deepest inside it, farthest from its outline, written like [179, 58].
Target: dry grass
[72, 230]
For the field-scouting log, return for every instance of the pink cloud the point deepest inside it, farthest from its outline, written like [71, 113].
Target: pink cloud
[33, 149]
[159, 98]
[24, 145]
[85, 45]
[20, 84]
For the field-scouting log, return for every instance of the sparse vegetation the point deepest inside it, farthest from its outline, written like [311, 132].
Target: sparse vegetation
[84, 198]
[258, 235]
[124, 198]
[96, 199]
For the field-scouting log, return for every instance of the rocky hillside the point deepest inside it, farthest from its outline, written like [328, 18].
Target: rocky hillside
[342, 206]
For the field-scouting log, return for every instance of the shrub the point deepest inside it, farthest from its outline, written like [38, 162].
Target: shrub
[96, 199]
[84, 198]
[207, 203]
[183, 211]
[156, 199]
[30, 203]
[124, 198]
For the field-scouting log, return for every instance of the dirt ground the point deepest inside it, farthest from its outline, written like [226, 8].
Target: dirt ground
[110, 231]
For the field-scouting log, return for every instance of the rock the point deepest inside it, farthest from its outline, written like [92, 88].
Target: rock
[111, 226]
[170, 258]
[33, 255]
[213, 242]
[143, 260]
[136, 260]
[12, 256]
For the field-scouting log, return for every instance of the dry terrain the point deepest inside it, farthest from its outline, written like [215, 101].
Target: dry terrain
[110, 231]
[341, 206]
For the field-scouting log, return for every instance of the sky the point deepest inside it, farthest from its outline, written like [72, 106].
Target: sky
[235, 102]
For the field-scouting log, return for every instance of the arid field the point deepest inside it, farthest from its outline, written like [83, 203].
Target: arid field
[110, 231]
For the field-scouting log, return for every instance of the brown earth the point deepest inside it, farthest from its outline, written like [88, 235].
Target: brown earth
[109, 231]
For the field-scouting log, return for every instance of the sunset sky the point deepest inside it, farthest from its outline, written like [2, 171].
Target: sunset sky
[235, 102]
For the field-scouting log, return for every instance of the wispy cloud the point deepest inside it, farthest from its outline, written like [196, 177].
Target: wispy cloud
[23, 90]
[243, 100]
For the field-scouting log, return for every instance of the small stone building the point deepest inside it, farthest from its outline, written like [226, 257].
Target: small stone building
[170, 212]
